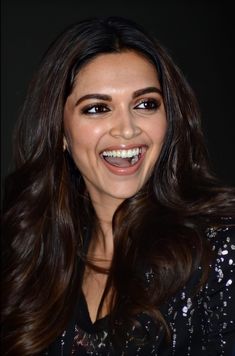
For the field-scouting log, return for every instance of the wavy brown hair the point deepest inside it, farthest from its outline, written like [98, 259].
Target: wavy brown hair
[46, 207]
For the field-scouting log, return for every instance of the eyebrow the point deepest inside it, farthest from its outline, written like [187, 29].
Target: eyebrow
[106, 97]
[146, 91]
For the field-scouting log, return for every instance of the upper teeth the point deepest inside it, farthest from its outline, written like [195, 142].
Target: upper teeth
[122, 153]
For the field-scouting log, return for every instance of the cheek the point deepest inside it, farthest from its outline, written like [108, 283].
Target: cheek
[83, 136]
[157, 133]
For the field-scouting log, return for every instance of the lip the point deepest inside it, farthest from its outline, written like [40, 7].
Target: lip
[128, 170]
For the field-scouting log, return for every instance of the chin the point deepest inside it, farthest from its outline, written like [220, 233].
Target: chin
[123, 194]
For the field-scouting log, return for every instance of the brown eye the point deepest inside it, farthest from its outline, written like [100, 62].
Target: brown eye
[149, 104]
[95, 109]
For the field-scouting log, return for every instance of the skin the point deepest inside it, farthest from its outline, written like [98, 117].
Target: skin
[124, 118]
[127, 123]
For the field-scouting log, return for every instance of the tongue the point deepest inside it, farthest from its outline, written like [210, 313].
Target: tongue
[118, 161]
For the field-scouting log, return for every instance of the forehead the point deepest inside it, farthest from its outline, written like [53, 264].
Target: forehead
[126, 69]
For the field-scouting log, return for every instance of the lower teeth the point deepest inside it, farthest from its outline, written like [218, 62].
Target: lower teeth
[134, 160]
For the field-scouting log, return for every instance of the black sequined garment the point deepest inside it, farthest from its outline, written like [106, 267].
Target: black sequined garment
[201, 326]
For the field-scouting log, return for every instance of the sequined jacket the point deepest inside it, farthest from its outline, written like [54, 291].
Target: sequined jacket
[203, 325]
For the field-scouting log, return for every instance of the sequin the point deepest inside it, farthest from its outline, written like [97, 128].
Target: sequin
[229, 282]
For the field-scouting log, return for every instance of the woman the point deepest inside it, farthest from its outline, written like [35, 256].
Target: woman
[118, 239]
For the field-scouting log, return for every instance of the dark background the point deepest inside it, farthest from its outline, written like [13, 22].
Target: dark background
[199, 35]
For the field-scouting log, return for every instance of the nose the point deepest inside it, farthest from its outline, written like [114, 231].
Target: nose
[125, 125]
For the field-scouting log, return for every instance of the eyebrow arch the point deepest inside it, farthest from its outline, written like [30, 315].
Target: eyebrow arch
[94, 96]
[146, 91]
[106, 97]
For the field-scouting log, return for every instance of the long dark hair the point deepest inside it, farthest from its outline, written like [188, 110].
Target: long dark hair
[47, 210]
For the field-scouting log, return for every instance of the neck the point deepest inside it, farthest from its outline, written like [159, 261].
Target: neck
[102, 243]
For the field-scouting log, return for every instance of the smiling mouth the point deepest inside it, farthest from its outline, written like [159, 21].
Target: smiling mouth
[123, 158]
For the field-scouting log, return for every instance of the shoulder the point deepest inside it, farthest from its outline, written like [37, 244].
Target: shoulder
[221, 237]
[208, 313]
[217, 295]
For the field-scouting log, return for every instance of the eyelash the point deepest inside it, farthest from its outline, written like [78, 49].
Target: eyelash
[153, 102]
[101, 108]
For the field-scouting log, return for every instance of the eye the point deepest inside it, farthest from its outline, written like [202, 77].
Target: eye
[94, 109]
[148, 104]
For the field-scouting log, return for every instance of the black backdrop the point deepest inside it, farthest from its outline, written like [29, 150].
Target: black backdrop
[198, 34]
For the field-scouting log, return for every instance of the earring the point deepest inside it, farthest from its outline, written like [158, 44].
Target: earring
[65, 146]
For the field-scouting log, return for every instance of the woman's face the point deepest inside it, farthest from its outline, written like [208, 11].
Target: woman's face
[115, 124]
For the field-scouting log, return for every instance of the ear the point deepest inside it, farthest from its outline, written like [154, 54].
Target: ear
[65, 144]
